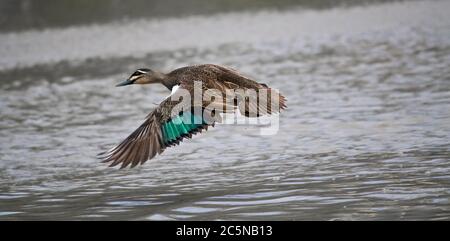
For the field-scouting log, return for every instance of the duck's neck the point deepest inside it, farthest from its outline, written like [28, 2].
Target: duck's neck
[168, 82]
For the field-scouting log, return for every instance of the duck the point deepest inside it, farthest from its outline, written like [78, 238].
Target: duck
[176, 119]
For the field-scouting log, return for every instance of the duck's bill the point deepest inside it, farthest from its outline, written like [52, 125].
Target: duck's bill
[126, 82]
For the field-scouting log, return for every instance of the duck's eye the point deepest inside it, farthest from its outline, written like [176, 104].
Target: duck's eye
[135, 75]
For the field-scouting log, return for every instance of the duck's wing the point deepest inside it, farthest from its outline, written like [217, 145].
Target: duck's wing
[253, 99]
[161, 128]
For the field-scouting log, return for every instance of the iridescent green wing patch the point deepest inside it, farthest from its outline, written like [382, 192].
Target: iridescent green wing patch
[181, 126]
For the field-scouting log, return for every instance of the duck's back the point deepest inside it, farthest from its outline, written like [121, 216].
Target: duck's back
[212, 74]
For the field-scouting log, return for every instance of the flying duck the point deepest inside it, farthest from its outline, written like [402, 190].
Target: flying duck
[172, 121]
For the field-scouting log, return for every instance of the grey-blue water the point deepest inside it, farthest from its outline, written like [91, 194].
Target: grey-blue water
[366, 135]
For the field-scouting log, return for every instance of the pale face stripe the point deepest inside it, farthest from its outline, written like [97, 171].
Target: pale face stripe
[142, 71]
[134, 77]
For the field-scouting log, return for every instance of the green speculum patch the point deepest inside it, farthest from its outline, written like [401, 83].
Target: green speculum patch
[180, 125]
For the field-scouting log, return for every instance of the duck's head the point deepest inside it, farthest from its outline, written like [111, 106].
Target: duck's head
[142, 76]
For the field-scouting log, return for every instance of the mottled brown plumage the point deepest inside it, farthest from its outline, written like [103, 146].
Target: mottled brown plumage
[149, 139]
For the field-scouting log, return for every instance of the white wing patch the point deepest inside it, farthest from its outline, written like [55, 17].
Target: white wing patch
[174, 89]
[141, 71]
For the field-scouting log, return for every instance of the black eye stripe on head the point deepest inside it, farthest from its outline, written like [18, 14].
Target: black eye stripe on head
[140, 72]
[136, 74]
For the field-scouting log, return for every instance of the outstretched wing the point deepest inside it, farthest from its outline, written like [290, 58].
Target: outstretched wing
[160, 129]
[253, 99]
[143, 144]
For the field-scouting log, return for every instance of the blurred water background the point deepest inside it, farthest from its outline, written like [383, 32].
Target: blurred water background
[366, 135]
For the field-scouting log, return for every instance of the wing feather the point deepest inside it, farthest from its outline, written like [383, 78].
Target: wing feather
[147, 140]
[249, 102]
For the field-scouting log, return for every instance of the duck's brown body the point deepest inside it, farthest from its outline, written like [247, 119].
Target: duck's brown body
[158, 131]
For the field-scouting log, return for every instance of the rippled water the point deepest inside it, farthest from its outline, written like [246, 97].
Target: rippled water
[366, 135]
